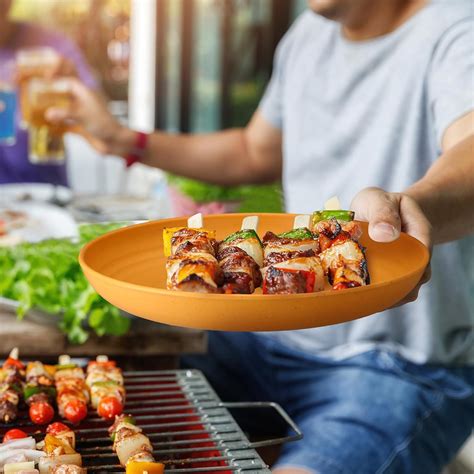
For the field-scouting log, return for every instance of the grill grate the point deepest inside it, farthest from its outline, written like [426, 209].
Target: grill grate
[190, 428]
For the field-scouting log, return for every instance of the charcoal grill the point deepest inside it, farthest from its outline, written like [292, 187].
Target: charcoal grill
[190, 428]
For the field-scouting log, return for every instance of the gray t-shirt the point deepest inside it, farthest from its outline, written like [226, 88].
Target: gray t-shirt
[373, 113]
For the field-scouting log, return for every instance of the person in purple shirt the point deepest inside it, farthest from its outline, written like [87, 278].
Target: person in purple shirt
[14, 36]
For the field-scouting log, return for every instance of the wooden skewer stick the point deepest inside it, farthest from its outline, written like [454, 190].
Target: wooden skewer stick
[302, 221]
[14, 353]
[332, 204]
[64, 359]
[196, 221]
[250, 223]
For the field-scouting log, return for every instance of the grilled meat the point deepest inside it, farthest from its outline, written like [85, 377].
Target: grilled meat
[342, 256]
[241, 272]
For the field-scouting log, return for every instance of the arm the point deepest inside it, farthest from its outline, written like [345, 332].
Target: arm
[229, 157]
[436, 209]
[446, 192]
[249, 155]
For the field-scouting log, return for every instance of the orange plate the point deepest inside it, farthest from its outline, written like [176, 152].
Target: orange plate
[127, 267]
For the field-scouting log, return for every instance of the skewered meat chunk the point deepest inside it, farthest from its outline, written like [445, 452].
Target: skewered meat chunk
[342, 256]
[192, 240]
[291, 264]
[39, 392]
[105, 382]
[192, 265]
[298, 275]
[12, 378]
[194, 271]
[68, 469]
[129, 441]
[297, 240]
[133, 448]
[72, 392]
[240, 256]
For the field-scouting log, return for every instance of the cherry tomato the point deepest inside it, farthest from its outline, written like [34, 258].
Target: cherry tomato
[41, 413]
[14, 362]
[14, 434]
[75, 411]
[56, 428]
[109, 407]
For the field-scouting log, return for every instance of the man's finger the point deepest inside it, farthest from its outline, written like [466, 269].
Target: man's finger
[384, 217]
[60, 114]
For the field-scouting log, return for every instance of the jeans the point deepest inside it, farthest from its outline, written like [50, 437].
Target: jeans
[372, 413]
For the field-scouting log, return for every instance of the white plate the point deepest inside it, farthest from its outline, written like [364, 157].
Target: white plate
[43, 221]
[42, 192]
[104, 208]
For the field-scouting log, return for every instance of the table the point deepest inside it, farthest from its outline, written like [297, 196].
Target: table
[148, 345]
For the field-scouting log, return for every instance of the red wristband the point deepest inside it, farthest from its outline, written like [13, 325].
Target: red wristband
[138, 150]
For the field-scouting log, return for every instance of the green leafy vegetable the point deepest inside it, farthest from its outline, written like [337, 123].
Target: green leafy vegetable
[302, 233]
[345, 216]
[250, 198]
[242, 234]
[46, 275]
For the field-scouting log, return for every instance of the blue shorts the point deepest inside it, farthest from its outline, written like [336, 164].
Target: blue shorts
[371, 413]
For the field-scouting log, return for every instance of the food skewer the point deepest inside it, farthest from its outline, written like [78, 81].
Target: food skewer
[291, 264]
[192, 264]
[105, 382]
[72, 393]
[240, 256]
[39, 392]
[60, 453]
[133, 447]
[12, 378]
[342, 256]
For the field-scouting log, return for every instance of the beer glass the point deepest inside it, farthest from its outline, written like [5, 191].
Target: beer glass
[46, 144]
[30, 63]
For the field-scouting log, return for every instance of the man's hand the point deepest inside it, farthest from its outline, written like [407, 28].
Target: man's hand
[64, 67]
[390, 213]
[88, 116]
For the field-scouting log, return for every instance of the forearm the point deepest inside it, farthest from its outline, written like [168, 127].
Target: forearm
[446, 193]
[221, 158]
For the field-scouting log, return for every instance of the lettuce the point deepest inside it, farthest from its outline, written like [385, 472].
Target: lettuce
[47, 276]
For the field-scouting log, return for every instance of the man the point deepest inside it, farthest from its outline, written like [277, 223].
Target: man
[15, 36]
[363, 93]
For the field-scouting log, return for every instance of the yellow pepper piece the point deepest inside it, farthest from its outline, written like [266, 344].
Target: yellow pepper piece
[168, 234]
[145, 468]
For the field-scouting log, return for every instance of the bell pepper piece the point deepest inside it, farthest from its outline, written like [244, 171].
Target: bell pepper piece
[31, 390]
[243, 234]
[145, 468]
[298, 234]
[339, 215]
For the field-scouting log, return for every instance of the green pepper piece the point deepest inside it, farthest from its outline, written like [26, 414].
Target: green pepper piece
[31, 390]
[303, 233]
[66, 366]
[129, 419]
[243, 234]
[126, 419]
[340, 215]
